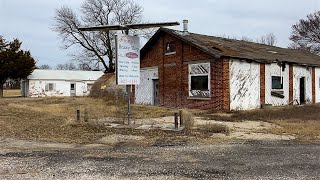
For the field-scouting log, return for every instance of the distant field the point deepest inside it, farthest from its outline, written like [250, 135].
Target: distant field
[11, 93]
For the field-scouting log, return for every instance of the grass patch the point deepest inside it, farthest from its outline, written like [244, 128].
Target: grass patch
[54, 118]
[302, 129]
[306, 112]
[210, 129]
[11, 93]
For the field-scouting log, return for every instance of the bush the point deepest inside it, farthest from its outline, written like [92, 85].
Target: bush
[214, 128]
[188, 121]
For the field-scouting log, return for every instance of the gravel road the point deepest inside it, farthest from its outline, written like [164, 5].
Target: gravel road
[233, 160]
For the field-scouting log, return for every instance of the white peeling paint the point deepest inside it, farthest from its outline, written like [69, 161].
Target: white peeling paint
[275, 70]
[317, 84]
[244, 85]
[298, 72]
[144, 91]
[37, 88]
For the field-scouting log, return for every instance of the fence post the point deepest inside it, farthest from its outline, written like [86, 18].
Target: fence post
[181, 120]
[176, 120]
[86, 117]
[78, 115]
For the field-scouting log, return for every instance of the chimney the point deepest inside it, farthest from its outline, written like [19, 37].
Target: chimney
[185, 26]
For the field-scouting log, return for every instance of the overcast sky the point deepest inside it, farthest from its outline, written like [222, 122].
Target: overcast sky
[30, 21]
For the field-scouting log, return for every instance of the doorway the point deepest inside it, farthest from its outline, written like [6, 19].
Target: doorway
[72, 89]
[156, 99]
[302, 91]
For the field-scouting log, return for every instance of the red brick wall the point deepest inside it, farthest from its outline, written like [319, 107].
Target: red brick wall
[290, 83]
[174, 78]
[313, 85]
[226, 85]
[262, 84]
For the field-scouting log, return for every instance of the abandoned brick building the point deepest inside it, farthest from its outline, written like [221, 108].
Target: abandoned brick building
[183, 69]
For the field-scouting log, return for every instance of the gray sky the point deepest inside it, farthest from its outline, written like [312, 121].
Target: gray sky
[31, 20]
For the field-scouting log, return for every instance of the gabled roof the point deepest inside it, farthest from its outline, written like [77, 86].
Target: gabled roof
[43, 74]
[221, 47]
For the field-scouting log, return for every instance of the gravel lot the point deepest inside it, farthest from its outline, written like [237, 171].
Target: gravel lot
[234, 160]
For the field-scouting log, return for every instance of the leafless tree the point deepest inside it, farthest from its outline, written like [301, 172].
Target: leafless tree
[66, 66]
[44, 66]
[95, 13]
[305, 33]
[269, 39]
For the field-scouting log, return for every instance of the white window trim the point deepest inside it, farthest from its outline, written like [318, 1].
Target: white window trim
[47, 87]
[189, 80]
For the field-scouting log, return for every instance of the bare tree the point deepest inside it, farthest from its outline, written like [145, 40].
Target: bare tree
[305, 33]
[99, 45]
[269, 39]
[66, 66]
[44, 66]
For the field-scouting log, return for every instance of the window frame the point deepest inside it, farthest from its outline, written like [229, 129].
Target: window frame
[199, 74]
[280, 83]
[171, 52]
[47, 87]
[89, 85]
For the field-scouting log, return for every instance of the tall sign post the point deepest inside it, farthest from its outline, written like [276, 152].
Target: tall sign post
[128, 56]
[128, 63]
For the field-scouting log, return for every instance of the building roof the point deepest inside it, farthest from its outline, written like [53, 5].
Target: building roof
[43, 74]
[222, 47]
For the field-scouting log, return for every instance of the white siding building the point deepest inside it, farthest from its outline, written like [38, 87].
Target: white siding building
[43, 83]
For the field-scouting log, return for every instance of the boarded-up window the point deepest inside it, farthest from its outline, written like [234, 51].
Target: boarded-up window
[199, 80]
[276, 82]
[50, 86]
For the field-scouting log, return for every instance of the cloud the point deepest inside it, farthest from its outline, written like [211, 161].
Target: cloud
[30, 21]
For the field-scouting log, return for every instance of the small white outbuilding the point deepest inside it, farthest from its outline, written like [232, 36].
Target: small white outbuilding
[44, 83]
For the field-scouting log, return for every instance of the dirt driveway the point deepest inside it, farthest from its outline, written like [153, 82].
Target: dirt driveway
[238, 159]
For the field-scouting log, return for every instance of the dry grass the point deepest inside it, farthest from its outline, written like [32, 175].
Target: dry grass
[54, 119]
[188, 121]
[301, 121]
[210, 129]
[303, 129]
[11, 93]
[306, 112]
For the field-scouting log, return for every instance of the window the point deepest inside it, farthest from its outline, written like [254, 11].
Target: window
[276, 82]
[50, 86]
[199, 83]
[89, 86]
[170, 48]
[199, 80]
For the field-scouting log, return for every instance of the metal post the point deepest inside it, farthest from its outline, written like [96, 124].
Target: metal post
[181, 120]
[78, 116]
[176, 123]
[129, 109]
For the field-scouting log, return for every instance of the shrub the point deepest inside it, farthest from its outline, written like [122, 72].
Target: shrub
[188, 121]
[214, 128]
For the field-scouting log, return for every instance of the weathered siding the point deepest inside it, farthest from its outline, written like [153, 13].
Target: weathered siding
[144, 91]
[298, 72]
[275, 70]
[37, 88]
[317, 86]
[244, 85]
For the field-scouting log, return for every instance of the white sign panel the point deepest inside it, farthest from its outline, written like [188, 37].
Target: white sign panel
[128, 60]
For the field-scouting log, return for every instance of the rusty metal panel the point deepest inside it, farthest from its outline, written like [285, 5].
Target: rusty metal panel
[244, 85]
